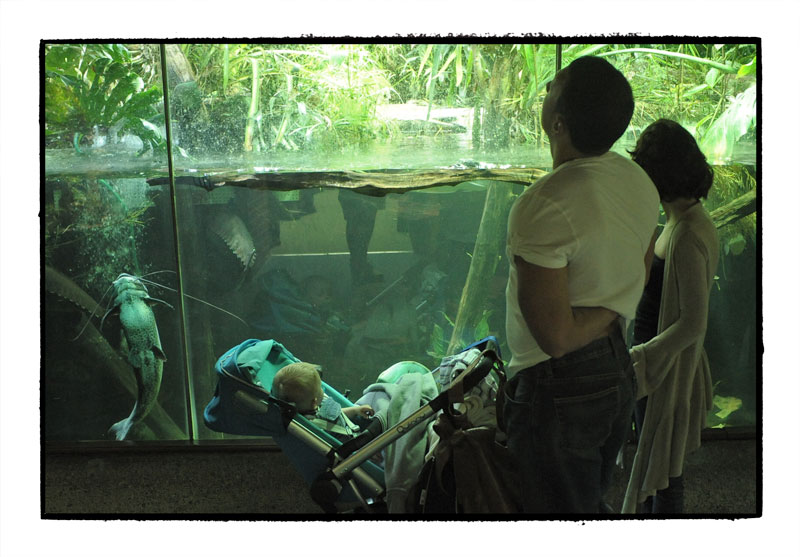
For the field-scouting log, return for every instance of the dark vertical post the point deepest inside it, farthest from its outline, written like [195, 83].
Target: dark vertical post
[558, 57]
[192, 425]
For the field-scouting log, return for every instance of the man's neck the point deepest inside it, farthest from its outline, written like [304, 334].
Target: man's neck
[568, 153]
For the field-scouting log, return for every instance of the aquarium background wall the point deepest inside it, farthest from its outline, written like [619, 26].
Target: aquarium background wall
[349, 201]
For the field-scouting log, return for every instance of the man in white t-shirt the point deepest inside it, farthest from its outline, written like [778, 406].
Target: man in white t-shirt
[579, 245]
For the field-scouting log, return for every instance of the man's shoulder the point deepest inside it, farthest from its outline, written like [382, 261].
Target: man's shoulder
[569, 179]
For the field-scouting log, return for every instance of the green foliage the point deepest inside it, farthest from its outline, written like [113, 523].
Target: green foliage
[724, 406]
[273, 97]
[440, 340]
[94, 87]
[731, 182]
[89, 229]
[325, 97]
[298, 95]
[738, 119]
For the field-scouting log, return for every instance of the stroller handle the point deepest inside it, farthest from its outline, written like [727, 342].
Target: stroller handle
[326, 488]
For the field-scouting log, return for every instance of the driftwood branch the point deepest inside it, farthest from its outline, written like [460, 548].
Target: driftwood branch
[369, 182]
[735, 210]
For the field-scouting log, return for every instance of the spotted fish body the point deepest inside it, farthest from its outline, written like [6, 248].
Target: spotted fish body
[144, 347]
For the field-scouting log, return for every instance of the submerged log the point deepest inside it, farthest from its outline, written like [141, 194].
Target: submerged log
[370, 182]
[486, 256]
[735, 210]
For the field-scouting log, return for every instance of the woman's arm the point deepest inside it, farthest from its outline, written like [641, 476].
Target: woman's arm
[689, 265]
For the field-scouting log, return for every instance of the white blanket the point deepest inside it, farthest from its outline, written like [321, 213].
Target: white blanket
[403, 458]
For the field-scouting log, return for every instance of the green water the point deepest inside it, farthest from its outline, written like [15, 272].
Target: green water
[240, 247]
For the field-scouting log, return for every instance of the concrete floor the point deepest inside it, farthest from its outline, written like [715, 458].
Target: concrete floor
[720, 479]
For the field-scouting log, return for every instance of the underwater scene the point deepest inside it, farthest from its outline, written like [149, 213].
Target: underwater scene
[348, 201]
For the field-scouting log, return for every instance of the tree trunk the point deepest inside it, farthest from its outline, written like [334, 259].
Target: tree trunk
[178, 68]
[486, 256]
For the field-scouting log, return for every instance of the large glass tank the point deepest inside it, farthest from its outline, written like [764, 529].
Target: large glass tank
[349, 201]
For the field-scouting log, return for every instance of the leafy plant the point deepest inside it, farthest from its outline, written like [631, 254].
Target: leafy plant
[725, 405]
[439, 340]
[92, 89]
[298, 95]
[737, 120]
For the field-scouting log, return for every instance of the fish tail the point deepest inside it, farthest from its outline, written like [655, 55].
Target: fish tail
[120, 429]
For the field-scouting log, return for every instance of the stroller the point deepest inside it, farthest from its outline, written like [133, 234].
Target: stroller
[342, 475]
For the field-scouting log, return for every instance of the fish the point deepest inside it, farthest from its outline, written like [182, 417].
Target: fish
[145, 354]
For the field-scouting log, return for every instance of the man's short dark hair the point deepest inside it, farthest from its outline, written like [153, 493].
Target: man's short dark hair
[676, 165]
[596, 103]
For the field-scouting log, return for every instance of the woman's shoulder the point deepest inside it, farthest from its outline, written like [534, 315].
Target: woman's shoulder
[698, 222]
[697, 227]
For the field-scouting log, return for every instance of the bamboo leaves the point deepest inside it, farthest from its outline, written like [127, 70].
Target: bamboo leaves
[459, 69]
[748, 69]
[254, 102]
[226, 67]
[727, 68]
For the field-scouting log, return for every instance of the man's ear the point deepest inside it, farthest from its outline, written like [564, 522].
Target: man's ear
[558, 124]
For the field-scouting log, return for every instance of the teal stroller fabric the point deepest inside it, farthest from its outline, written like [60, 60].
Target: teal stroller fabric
[242, 405]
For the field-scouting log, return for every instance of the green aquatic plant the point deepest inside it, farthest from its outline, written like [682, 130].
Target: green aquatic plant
[726, 406]
[440, 341]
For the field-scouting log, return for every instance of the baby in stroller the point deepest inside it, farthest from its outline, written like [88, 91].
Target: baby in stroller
[381, 463]
[300, 384]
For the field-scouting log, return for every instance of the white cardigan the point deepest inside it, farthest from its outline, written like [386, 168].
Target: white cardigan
[672, 368]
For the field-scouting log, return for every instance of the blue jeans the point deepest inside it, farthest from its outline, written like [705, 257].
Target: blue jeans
[566, 420]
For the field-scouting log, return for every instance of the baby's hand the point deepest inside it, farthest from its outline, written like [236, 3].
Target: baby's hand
[364, 411]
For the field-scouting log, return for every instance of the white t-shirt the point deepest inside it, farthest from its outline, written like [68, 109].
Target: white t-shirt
[597, 216]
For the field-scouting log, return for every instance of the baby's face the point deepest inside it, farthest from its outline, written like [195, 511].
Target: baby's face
[319, 394]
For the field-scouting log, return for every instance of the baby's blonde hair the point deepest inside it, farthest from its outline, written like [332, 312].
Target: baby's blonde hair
[298, 383]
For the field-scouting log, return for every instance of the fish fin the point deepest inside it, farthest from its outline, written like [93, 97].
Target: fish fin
[158, 352]
[120, 429]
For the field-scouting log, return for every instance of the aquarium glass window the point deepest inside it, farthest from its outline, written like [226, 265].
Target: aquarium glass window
[347, 200]
[109, 344]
